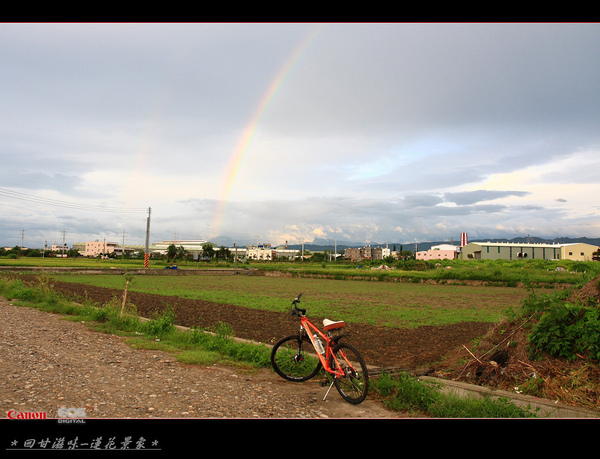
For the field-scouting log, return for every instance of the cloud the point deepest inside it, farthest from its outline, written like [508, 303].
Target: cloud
[472, 197]
[354, 131]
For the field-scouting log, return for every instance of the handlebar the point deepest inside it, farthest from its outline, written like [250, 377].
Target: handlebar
[296, 311]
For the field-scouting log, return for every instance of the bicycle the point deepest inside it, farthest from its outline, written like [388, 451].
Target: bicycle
[301, 356]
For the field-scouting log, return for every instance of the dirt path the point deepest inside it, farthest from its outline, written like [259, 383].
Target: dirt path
[49, 363]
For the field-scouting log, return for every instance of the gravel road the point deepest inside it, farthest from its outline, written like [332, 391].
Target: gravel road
[50, 363]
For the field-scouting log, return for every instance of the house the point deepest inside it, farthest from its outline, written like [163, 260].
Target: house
[367, 253]
[380, 253]
[439, 252]
[97, 248]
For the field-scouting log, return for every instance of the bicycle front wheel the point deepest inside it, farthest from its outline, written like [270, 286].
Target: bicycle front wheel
[295, 359]
[354, 384]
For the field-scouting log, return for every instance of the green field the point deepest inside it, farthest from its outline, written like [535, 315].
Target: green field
[413, 293]
[395, 304]
[498, 272]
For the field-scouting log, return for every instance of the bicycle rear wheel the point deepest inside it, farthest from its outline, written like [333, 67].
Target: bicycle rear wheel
[354, 384]
[295, 359]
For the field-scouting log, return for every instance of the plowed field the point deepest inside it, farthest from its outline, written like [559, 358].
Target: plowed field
[381, 346]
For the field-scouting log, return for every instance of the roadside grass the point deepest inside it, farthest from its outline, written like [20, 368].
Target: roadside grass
[188, 345]
[218, 346]
[406, 393]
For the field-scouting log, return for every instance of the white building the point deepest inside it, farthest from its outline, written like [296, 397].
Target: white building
[260, 252]
[528, 251]
[162, 247]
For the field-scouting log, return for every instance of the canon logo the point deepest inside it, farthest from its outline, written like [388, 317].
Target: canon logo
[26, 415]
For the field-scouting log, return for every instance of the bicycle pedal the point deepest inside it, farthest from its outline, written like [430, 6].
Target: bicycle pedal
[324, 383]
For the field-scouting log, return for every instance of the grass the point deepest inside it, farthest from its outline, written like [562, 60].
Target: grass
[493, 272]
[413, 294]
[407, 393]
[195, 346]
[90, 263]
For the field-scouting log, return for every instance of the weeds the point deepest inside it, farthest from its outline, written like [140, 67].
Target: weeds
[162, 325]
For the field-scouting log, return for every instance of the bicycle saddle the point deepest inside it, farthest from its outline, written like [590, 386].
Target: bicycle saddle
[332, 325]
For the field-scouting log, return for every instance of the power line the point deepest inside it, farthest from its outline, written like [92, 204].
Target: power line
[68, 205]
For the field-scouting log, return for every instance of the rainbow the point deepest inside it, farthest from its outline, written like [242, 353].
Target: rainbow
[237, 158]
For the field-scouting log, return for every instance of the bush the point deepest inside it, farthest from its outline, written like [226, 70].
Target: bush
[563, 329]
[161, 325]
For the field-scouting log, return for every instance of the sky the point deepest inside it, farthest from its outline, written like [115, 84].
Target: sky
[298, 132]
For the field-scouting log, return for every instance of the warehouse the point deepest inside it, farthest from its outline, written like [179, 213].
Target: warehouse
[527, 251]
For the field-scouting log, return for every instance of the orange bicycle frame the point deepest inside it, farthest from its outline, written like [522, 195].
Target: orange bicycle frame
[307, 326]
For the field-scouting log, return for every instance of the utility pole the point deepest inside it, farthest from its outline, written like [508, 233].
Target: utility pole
[147, 254]
[235, 257]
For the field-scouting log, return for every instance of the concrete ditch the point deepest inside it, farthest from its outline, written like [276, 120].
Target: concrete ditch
[545, 408]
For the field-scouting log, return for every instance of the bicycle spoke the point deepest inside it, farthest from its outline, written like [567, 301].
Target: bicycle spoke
[353, 384]
[293, 360]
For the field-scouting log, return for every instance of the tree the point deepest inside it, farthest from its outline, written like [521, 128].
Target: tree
[208, 250]
[182, 254]
[223, 254]
[171, 252]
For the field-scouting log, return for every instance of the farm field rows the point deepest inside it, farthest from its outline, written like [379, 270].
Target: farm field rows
[399, 305]
[402, 325]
